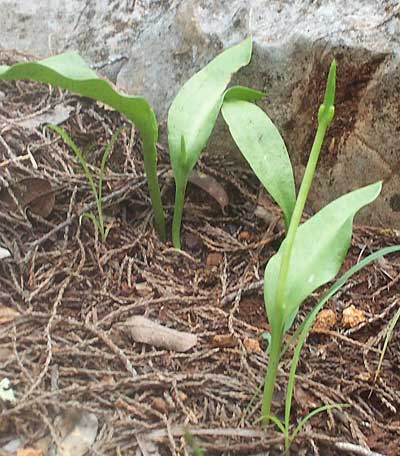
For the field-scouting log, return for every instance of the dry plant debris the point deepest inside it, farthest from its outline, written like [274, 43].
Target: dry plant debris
[352, 317]
[63, 351]
[146, 331]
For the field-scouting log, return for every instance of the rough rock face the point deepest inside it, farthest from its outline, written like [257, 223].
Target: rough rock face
[150, 47]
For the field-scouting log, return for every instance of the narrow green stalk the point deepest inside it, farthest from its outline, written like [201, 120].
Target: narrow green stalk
[284, 270]
[178, 212]
[99, 194]
[269, 384]
[150, 169]
[325, 116]
[386, 343]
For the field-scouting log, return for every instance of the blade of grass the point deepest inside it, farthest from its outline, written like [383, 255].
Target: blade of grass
[278, 424]
[95, 222]
[386, 343]
[107, 152]
[68, 140]
[298, 428]
[311, 317]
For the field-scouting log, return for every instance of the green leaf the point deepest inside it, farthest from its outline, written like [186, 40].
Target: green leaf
[329, 96]
[243, 93]
[69, 71]
[195, 109]
[308, 417]
[278, 423]
[262, 146]
[389, 333]
[69, 141]
[318, 252]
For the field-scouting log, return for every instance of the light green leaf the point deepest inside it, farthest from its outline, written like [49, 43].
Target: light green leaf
[69, 71]
[196, 107]
[262, 146]
[6, 392]
[319, 249]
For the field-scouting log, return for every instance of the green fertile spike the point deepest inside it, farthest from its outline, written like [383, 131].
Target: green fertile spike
[327, 109]
[329, 98]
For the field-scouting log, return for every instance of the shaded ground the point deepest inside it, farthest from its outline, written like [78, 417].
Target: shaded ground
[65, 351]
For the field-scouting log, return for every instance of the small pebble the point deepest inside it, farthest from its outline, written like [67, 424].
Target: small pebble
[325, 320]
[352, 317]
[214, 259]
[244, 236]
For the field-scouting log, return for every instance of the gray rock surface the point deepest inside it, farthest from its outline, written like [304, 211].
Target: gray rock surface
[150, 47]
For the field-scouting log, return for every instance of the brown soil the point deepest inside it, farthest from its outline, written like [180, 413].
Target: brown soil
[65, 351]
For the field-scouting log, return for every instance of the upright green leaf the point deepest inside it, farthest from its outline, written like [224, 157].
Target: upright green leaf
[262, 146]
[69, 71]
[318, 252]
[195, 109]
[193, 114]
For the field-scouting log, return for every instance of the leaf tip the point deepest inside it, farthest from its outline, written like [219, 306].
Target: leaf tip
[330, 90]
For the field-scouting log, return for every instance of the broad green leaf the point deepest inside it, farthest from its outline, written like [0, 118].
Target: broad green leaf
[319, 249]
[262, 146]
[69, 71]
[195, 109]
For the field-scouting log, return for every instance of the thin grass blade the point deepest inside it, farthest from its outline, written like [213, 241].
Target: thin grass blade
[104, 159]
[321, 409]
[304, 329]
[386, 343]
[68, 140]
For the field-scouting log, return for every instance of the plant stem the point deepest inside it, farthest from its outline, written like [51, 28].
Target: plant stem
[178, 211]
[150, 168]
[325, 116]
[298, 211]
[269, 384]
[276, 337]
